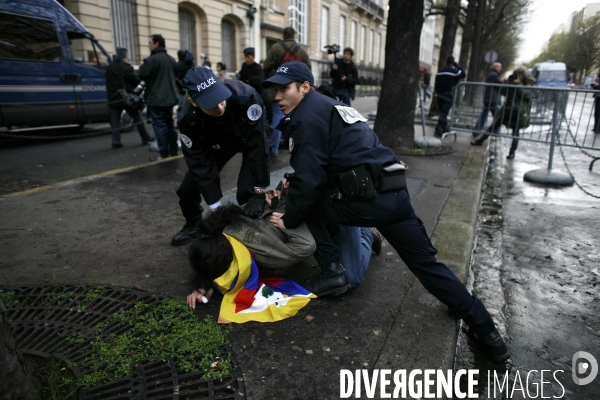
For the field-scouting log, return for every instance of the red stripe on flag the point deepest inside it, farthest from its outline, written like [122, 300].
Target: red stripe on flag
[244, 299]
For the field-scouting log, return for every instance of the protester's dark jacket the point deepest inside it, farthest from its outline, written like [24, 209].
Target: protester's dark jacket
[491, 97]
[119, 75]
[348, 69]
[322, 145]
[426, 78]
[158, 71]
[248, 71]
[447, 78]
[203, 137]
[516, 111]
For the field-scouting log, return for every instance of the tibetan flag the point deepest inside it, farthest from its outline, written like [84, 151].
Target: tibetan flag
[248, 297]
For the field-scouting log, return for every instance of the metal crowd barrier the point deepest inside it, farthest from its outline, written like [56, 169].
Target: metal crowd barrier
[557, 117]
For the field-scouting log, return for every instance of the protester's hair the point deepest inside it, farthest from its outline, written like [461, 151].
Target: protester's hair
[181, 54]
[158, 39]
[211, 254]
[288, 33]
[349, 50]
[527, 78]
[222, 65]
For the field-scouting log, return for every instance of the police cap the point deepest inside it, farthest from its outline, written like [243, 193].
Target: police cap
[205, 88]
[293, 71]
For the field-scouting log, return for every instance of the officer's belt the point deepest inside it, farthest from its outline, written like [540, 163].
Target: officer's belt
[358, 183]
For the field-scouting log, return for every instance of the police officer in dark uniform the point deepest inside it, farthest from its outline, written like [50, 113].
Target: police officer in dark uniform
[445, 81]
[343, 174]
[218, 121]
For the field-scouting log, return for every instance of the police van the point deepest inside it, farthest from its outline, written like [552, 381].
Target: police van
[52, 69]
[550, 74]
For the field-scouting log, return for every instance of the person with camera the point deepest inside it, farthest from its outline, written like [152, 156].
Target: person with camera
[445, 81]
[344, 74]
[343, 174]
[121, 79]
[515, 113]
[218, 121]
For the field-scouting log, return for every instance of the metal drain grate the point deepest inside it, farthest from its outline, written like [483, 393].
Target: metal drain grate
[415, 187]
[45, 314]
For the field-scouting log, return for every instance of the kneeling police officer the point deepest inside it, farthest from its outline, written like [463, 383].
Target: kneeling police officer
[221, 120]
[343, 174]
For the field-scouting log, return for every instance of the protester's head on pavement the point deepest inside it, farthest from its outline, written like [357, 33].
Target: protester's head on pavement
[497, 67]
[206, 91]
[249, 55]
[293, 80]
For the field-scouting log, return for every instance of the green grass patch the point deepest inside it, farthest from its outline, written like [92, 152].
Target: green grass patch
[8, 299]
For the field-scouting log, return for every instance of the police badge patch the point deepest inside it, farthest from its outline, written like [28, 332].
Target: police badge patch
[291, 144]
[186, 140]
[254, 112]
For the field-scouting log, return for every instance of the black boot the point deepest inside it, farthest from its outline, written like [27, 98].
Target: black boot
[479, 141]
[490, 342]
[331, 280]
[511, 155]
[185, 235]
[377, 241]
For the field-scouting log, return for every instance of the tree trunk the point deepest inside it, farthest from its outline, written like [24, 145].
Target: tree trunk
[16, 383]
[395, 122]
[450, 26]
[467, 38]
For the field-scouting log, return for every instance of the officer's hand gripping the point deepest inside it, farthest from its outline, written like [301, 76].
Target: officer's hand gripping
[255, 206]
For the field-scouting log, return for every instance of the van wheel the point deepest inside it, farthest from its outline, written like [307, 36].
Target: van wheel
[126, 123]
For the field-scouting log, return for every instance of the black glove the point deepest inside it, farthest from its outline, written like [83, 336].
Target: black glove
[255, 206]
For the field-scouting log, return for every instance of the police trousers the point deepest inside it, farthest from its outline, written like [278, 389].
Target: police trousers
[393, 215]
[189, 191]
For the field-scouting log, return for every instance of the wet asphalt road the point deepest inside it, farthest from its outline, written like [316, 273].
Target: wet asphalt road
[536, 266]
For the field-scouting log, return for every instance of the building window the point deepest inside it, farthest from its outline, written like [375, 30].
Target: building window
[298, 19]
[228, 44]
[363, 34]
[342, 35]
[378, 49]
[122, 26]
[353, 35]
[324, 27]
[371, 34]
[187, 30]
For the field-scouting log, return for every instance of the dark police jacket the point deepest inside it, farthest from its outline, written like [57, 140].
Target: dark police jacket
[119, 75]
[447, 78]
[204, 138]
[322, 145]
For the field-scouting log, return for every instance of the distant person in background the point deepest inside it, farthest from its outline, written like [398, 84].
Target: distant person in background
[121, 75]
[250, 67]
[345, 76]
[445, 81]
[186, 61]
[426, 82]
[515, 113]
[159, 73]
[222, 71]
[596, 86]
[491, 98]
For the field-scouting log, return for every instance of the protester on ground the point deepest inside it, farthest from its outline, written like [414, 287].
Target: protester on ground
[121, 75]
[219, 121]
[287, 48]
[222, 71]
[345, 76]
[491, 98]
[250, 67]
[343, 174]
[515, 113]
[184, 63]
[159, 72]
[445, 81]
[271, 247]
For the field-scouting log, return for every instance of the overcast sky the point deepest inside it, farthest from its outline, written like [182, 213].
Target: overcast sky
[545, 16]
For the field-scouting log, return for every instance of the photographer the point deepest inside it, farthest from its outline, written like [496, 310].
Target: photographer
[344, 74]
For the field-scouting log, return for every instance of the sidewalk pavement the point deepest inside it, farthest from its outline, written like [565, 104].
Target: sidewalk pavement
[116, 229]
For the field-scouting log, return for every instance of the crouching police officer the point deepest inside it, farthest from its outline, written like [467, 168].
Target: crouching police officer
[344, 174]
[221, 120]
